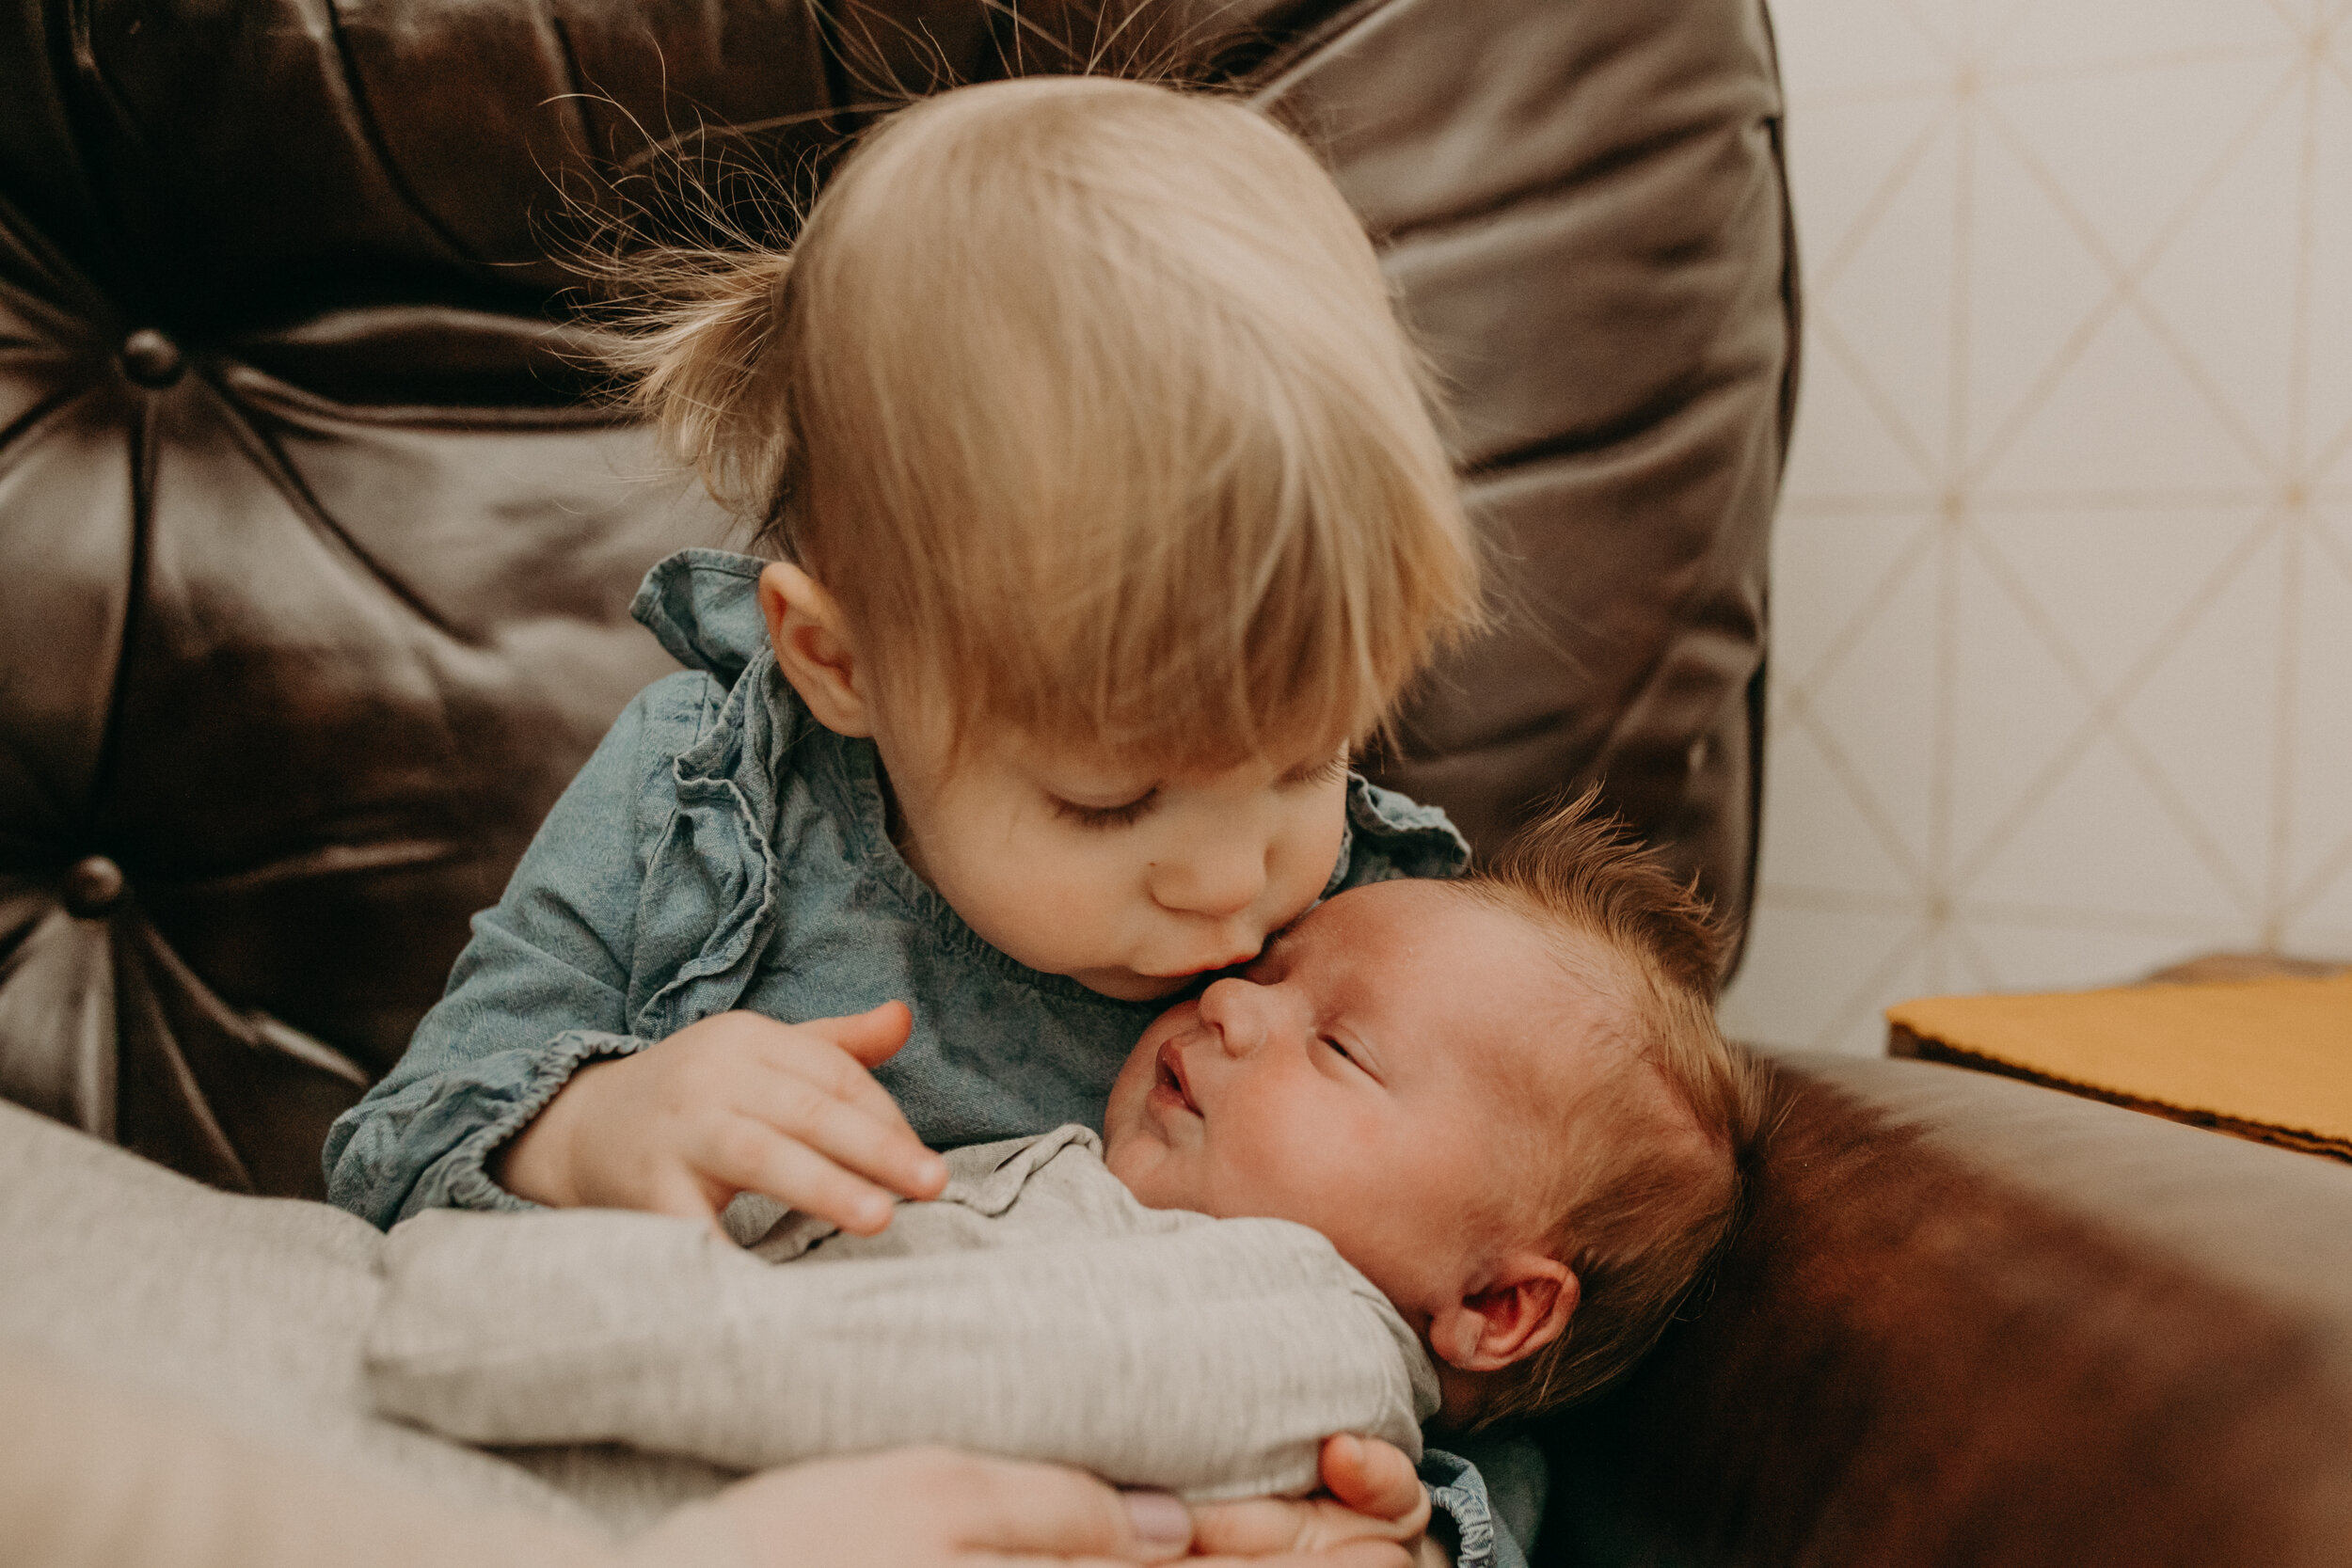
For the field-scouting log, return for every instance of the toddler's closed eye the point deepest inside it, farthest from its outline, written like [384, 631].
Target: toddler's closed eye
[1122, 815]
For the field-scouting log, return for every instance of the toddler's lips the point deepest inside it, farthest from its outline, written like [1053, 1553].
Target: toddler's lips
[1211, 968]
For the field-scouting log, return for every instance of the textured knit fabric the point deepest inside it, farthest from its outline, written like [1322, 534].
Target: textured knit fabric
[1034, 1310]
[722, 849]
[252, 1311]
[93, 1475]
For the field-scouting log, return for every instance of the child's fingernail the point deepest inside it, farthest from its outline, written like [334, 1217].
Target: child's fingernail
[1159, 1519]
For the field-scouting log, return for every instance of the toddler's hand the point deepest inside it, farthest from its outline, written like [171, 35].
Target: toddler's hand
[734, 1103]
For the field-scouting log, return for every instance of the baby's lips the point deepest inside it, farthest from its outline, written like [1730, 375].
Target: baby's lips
[1171, 1065]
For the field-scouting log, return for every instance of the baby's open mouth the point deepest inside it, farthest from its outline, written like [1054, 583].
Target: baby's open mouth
[1171, 1071]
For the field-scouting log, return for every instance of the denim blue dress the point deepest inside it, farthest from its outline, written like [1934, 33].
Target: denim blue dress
[722, 849]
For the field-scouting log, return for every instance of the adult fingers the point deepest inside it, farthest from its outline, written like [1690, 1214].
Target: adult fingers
[1375, 1479]
[1018, 1510]
[1366, 1553]
[1262, 1527]
[1252, 1527]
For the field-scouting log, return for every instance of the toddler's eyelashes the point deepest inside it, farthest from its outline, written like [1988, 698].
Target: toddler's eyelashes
[1329, 770]
[1108, 817]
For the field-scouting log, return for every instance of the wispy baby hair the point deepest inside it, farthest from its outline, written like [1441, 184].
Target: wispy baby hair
[1648, 1177]
[1086, 399]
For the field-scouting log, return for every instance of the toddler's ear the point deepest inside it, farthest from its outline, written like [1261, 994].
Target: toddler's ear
[813, 647]
[1524, 1307]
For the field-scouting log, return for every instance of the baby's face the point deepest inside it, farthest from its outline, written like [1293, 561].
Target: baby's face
[1130, 882]
[1367, 1076]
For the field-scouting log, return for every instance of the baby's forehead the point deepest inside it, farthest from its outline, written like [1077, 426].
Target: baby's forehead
[1471, 922]
[1465, 955]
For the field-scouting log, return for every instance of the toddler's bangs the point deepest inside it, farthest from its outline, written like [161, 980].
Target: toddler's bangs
[1169, 662]
[1117, 448]
[1088, 401]
[1191, 597]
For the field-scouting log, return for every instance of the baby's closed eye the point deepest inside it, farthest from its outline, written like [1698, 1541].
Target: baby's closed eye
[1339, 1049]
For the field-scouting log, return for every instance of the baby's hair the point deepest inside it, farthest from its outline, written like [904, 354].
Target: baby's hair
[1654, 1176]
[1088, 401]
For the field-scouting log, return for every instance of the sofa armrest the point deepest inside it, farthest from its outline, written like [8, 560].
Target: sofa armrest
[1975, 1321]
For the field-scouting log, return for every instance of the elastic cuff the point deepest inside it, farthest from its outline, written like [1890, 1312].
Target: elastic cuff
[1457, 1492]
[464, 1182]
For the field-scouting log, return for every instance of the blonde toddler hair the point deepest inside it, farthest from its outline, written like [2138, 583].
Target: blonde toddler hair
[1086, 400]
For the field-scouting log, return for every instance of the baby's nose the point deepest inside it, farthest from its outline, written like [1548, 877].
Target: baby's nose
[1235, 1008]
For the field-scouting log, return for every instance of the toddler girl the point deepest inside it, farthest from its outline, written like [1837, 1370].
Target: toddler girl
[1110, 513]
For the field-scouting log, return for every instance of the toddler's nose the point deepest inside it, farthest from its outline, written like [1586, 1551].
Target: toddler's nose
[1216, 881]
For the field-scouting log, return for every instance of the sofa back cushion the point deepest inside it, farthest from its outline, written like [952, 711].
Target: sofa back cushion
[317, 558]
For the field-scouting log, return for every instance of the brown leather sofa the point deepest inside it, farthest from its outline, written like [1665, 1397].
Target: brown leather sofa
[316, 554]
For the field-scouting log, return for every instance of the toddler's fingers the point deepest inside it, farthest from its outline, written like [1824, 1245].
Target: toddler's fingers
[873, 1037]
[750, 1156]
[805, 1052]
[675, 1192]
[881, 1147]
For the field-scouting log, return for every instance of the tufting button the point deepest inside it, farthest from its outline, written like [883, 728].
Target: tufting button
[151, 358]
[92, 886]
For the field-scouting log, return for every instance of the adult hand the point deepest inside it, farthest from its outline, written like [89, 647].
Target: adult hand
[737, 1102]
[936, 1507]
[1372, 1513]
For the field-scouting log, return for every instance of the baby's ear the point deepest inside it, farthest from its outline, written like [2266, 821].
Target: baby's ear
[813, 648]
[1524, 1305]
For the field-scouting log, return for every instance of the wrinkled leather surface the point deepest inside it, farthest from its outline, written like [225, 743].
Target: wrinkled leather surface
[1977, 1322]
[317, 561]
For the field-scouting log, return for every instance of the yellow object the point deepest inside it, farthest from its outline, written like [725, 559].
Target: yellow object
[2270, 1059]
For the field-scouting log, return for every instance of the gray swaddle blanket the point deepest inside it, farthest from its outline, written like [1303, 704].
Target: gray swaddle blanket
[1034, 1309]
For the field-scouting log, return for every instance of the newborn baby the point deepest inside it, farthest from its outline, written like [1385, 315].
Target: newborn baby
[1503, 1099]
[1449, 1148]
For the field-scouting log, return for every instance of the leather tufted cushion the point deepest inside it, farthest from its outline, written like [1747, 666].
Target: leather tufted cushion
[316, 560]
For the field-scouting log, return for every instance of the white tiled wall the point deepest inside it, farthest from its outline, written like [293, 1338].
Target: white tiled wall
[2062, 588]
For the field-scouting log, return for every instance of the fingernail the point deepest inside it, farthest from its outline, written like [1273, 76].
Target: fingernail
[1159, 1519]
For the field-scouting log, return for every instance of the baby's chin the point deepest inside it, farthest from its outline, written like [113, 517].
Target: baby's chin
[1156, 1184]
